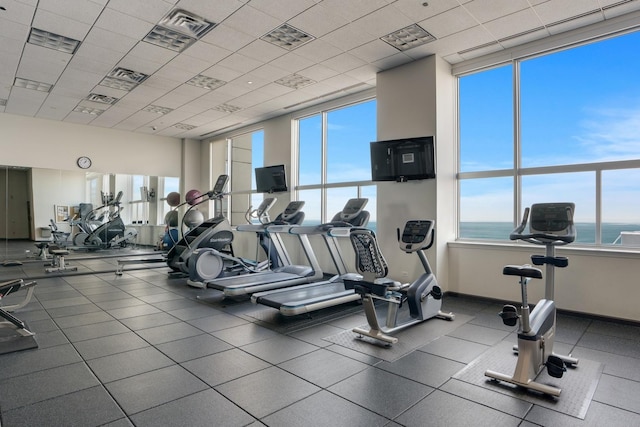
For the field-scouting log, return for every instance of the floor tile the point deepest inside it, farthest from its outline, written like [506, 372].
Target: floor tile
[193, 347]
[112, 344]
[325, 409]
[92, 406]
[381, 392]
[244, 334]
[30, 361]
[282, 388]
[278, 349]
[479, 334]
[38, 386]
[217, 322]
[127, 364]
[323, 368]
[144, 391]
[225, 366]
[167, 333]
[424, 368]
[443, 409]
[205, 408]
[96, 330]
[598, 415]
[457, 349]
[619, 392]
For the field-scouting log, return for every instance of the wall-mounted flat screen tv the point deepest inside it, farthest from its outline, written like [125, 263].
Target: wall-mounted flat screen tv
[403, 159]
[271, 179]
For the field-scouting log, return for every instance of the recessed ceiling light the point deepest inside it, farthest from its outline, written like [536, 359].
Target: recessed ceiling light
[226, 108]
[88, 110]
[103, 99]
[183, 126]
[287, 37]
[52, 41]
[32, 84]
[408, 37]
[295, 81]
[178, 30]
[157, 109]
[206, 82]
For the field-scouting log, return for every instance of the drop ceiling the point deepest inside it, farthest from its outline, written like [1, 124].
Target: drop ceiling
[194, 68]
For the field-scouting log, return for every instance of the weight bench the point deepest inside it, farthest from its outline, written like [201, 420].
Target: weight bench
[14, 334]
[123, 262]
[58, 263]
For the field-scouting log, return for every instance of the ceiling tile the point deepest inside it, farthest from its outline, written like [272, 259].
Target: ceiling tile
[110, 40]
[121, 23]
[207, 52]
[353, 9]
[488, 10]
[292, 62]
[318, 50]
[262, 51]
[227, 37]
[515, 23]
[619, 9]
[349, 37]
[42, 64]
[344, 62]
[240, 63]
[147, 10]
[417, 12]
[283, 11]
[318, 72]
[318, 21]
[559, 10]
[252, 21]
[449, 22]
[58, 24]
[384, 21]
[17, 12]
[25, 102]
[86, 11]
[374, 51]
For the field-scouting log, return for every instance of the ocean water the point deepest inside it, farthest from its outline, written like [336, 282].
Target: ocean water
[586, 232]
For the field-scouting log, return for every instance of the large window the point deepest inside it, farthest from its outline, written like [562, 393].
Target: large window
[564, 126]
[333, 160]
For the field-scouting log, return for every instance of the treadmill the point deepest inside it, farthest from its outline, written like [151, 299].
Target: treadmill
[315, 296]
[284, 275]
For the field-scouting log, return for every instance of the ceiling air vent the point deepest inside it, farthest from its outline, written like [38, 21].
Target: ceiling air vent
[32, 84]
[178, 30]
[183, 126]
[287, 37]
[295, 81]
[157, 109]
[52, 41]
[206, 82]
[88, 110]
[102, 99]
[408, 37]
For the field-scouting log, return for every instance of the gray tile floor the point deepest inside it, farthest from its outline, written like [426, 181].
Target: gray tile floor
[146, 350]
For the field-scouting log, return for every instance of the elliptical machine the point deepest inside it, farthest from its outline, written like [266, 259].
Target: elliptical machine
[551, 226]
[213, 233]
[109, 234]
[407, 304]
[207, 264]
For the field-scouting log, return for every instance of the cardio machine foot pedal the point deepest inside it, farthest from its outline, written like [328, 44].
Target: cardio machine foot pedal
[555, 366]
[509, 315]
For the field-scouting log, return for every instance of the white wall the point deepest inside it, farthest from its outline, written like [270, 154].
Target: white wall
[417, 100]
[53, 187]
[39, 143]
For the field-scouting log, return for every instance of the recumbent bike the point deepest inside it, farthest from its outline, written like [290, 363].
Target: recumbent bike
[407, 304]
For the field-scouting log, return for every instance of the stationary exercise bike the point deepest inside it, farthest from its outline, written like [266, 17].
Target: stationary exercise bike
[407, 304]
[551, 226]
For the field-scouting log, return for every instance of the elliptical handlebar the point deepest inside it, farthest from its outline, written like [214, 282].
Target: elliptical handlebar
[547, 238]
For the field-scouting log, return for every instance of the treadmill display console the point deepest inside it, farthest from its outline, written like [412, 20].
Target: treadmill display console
[292, 209]
[552, 218]
[352, 209]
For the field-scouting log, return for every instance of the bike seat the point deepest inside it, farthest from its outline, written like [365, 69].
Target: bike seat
[522, 271]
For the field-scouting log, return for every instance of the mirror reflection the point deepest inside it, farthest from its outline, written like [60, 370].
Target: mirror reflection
[36, 201]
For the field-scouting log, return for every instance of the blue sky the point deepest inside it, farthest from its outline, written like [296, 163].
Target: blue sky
[578, 105]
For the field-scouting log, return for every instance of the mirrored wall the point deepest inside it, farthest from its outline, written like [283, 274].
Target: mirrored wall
[33, 197]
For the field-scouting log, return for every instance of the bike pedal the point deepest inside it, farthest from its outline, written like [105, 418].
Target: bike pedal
[555, 366]
[509, 315]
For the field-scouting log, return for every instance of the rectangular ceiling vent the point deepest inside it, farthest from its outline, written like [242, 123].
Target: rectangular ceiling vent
[295, 81]
[178, 30]
[226, 108]
[32, 84]
[157, 109]
[123, 79]
[287, 37]
[206, 82]
[88, 110]
[102, 99]
[408, 37]
[53, 41]
[183, 126]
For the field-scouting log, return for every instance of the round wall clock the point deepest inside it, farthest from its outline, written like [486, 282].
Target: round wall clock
[84, 162]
